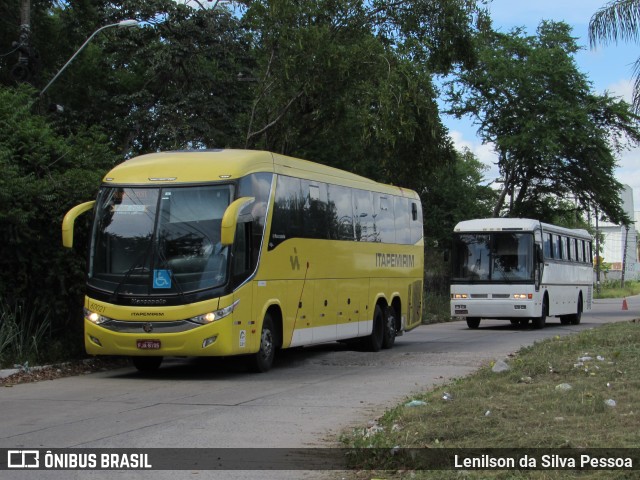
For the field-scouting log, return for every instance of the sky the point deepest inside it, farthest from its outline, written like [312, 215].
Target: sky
[608, 68]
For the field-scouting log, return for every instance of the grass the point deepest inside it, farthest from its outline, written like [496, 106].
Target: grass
[612, 289]
[23, 332]
[526, 407]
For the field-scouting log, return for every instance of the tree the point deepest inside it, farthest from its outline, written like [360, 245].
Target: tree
[618, 20]
[42, 175]
[553, 136]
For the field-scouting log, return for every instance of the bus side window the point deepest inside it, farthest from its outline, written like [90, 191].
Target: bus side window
[580, 250]
[417, 230]
[341, 208]
[548, 251]
[363, 216]
[557, 247]
[383, 218]
[402, 220]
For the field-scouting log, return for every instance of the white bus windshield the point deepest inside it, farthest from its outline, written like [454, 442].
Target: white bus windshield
[499, 257]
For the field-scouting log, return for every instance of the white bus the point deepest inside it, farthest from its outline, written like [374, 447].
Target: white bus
[519, 269]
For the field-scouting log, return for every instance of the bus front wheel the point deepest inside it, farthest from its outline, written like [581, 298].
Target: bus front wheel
[575, 318]
[473, 322]
[262, 360]
[146, 364]
[539, 322]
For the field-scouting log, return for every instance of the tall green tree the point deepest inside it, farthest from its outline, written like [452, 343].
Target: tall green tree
[618, 20]
[42, 175]
[554, 137]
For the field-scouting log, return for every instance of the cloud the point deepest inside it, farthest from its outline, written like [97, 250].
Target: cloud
[483, 152]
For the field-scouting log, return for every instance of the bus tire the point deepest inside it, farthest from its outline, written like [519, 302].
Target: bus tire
[575, 318]
[540, 322]
[146, 364]
[373, 342]
[389, 334]
[262, 360]
[473, 322]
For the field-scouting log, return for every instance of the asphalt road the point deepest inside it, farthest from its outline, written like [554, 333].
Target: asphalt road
[305, 401]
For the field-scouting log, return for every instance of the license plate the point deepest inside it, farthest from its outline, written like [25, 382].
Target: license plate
[148, 344]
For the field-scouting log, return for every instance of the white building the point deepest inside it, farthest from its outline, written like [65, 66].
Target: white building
[616, 237]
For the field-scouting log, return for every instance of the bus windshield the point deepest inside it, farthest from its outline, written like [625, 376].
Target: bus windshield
[159, 240]
[499, 257]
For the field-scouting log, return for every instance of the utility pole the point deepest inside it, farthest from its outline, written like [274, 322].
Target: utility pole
[26, 66]
[597, 253]
[624, 255]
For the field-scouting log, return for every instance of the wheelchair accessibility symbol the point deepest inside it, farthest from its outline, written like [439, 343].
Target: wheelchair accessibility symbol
[161, 279]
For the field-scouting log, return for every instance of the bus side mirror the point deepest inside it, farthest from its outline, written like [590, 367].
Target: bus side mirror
[539, 256]
[70, 218]
[230, 220]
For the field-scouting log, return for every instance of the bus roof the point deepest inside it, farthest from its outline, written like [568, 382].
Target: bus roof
[197, 166]
[515, 224]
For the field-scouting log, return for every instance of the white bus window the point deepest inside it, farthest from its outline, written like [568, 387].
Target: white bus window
[570, 249]
[557, 249]
[548, 251]
[580, 250]
[471, 257]
[563, 246]
[512, 256]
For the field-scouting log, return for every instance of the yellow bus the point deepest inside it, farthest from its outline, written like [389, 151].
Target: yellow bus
[240, 252]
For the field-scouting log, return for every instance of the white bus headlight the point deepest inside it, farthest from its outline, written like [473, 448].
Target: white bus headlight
[216, 315]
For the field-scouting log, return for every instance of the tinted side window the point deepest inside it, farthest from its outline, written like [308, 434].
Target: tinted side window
[402, 220]
[317, 214]
[288, 211]
[384, 222]
[417, 229]
[363, 216]
[342, 221]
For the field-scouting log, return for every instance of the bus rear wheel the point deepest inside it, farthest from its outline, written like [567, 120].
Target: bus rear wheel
[262, 360]
[575, 319]
[473, 322]
[373, 342]
[146, 364]
[389, 336]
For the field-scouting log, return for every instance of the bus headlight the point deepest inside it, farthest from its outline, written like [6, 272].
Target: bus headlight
[458, 296]
[209, 317]
[94, 317]
[523, 296]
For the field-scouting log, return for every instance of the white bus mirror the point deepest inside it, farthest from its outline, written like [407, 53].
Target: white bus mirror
[69, 220]
[230, 220]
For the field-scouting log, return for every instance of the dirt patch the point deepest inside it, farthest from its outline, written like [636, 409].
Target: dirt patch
[67, 369]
